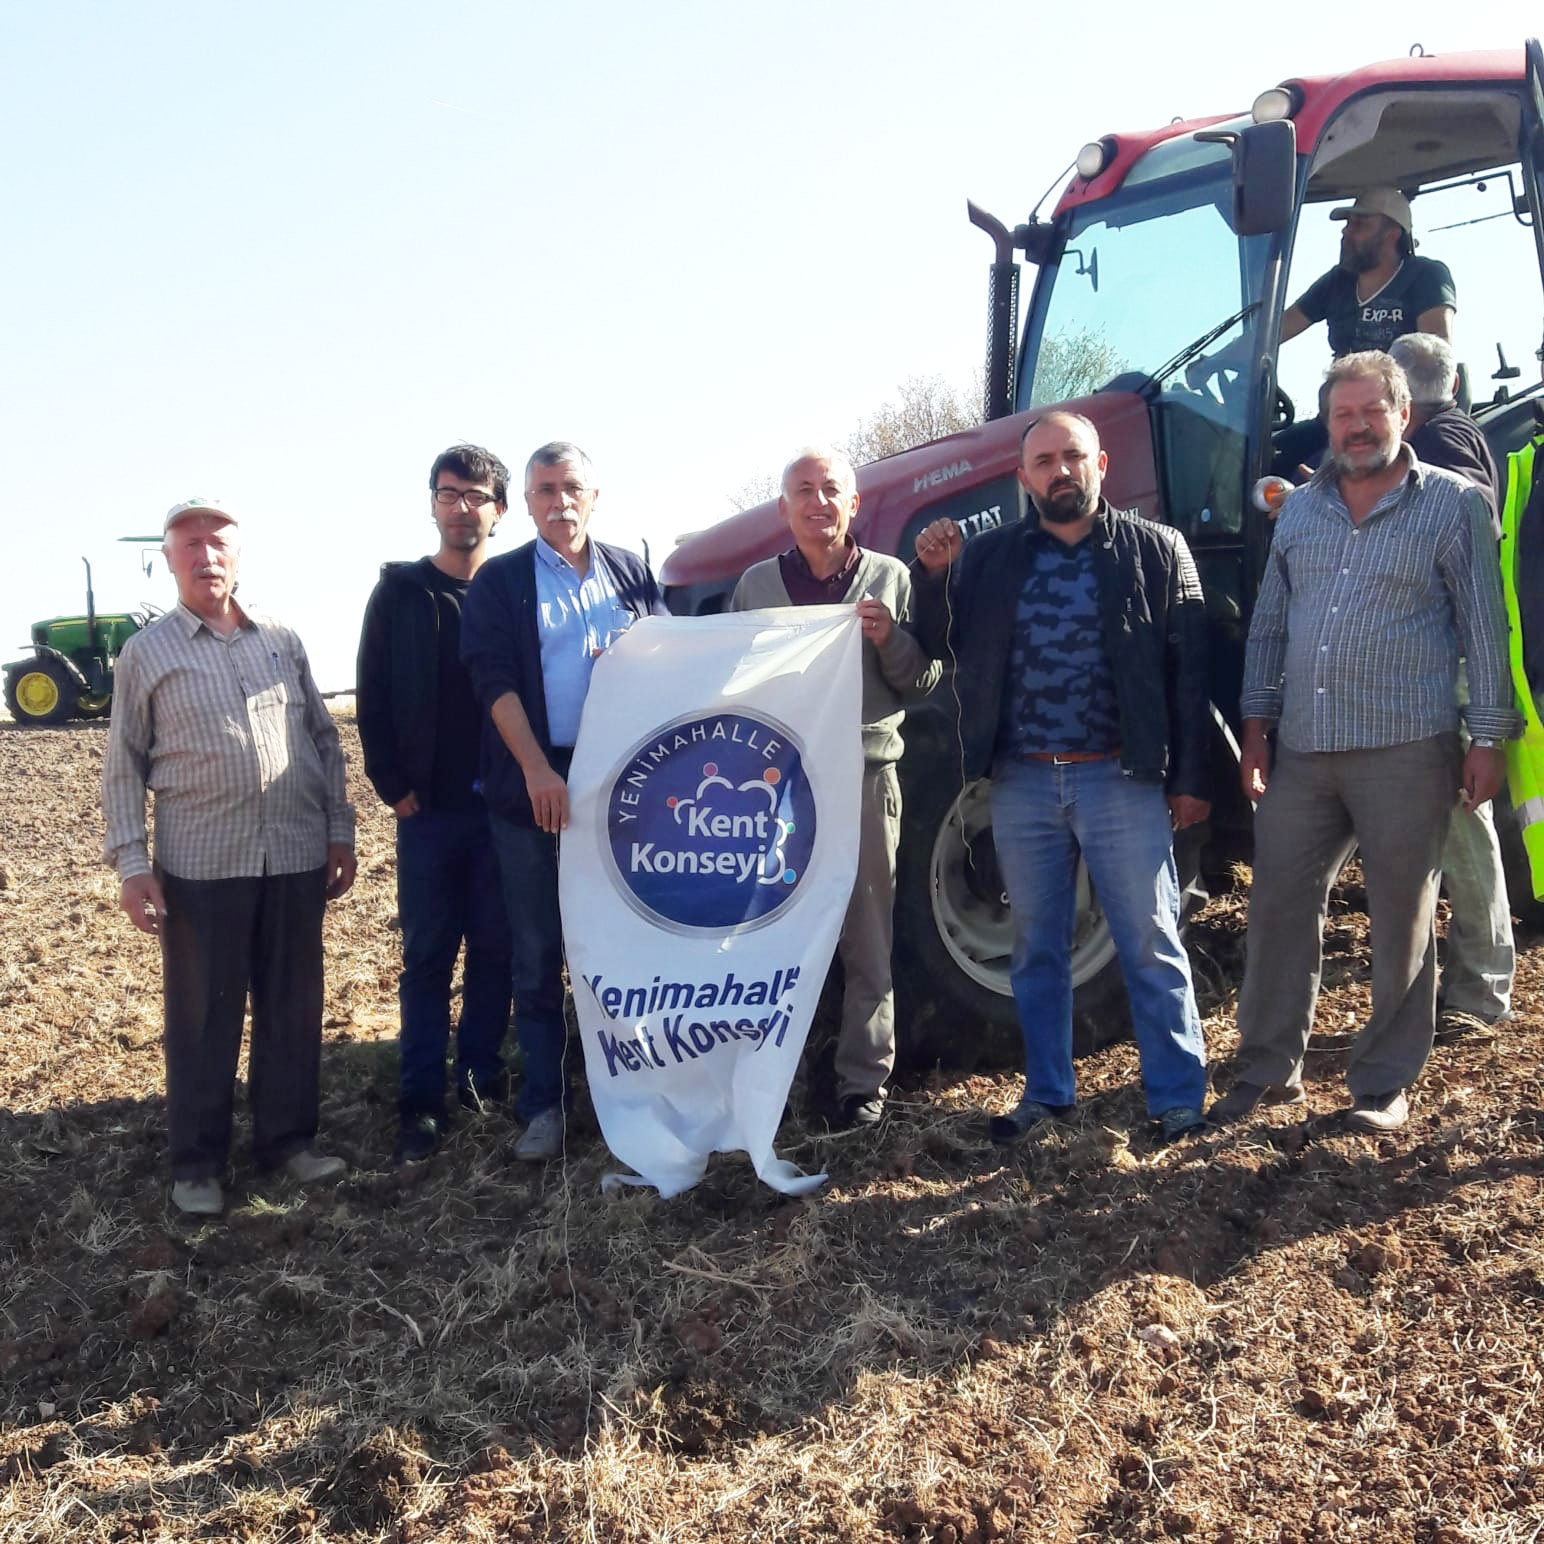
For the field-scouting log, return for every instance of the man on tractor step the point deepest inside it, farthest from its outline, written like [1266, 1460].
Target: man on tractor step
[1378, 290]
[825, 566]
[214, 707]
[1382, 573]
[1475, 989]
[1079, 641]
[421, 727]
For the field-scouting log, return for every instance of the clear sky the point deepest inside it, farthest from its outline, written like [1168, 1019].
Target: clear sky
[284, 253]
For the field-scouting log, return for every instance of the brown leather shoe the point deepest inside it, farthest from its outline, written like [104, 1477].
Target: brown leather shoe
[1242, 1098]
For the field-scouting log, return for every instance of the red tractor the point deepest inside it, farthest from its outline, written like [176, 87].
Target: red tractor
[1166, 246]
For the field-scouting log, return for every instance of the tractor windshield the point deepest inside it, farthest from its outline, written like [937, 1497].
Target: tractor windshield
[1147, 281]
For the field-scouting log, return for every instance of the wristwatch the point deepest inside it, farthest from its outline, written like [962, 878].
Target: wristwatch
[1486, 745]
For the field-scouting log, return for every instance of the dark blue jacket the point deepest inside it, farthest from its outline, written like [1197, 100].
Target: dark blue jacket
[1152, 618]
[501, 649]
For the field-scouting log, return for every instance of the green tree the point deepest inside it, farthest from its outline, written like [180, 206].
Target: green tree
[1074, 365]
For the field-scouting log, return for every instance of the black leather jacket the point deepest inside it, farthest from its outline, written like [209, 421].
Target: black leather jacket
[1153, 619]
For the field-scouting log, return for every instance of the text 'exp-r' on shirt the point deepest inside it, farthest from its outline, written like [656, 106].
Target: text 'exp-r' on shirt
[1418, 285]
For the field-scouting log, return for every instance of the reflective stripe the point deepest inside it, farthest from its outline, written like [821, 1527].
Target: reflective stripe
[1531, 811]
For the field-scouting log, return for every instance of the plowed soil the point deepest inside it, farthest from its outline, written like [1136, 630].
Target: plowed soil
[1286, 1332]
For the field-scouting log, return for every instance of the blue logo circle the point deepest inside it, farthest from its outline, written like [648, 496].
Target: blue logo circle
[710, 822]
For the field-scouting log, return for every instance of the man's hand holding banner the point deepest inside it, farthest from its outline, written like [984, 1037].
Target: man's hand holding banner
[704, 876]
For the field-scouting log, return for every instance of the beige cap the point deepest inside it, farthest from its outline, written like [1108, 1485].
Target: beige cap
[1389, 202]
[196, 507]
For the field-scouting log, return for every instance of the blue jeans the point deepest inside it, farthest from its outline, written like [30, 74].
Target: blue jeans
[1042, 817]
[528, 866]
[448, 890]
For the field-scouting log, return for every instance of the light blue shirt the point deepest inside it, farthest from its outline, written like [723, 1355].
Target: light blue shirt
[576, 618]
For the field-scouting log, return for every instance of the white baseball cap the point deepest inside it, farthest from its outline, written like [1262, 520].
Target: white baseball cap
[196, 507]
[1389, 202]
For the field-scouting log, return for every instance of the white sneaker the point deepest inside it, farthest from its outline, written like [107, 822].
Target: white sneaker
[198, 1197]
[308, 1166]
[543, 1138]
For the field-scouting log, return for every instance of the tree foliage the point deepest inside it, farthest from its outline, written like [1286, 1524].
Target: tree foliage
[1074, 365]
[927, 407]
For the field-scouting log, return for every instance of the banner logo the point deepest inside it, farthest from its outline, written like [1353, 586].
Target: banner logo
[710, 823]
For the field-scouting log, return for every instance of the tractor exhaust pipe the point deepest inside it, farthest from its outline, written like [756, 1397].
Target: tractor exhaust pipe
[1002, 324]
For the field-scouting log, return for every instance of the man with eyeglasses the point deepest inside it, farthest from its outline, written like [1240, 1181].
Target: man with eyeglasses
[421, 727]
[1381, 573]
[534, 623]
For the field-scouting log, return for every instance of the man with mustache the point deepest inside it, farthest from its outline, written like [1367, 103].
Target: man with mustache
[826, 566]
[1078, 637]
[534, 621]
[1382, 572]
[215, 709]
[420, 726]
[1380, 288]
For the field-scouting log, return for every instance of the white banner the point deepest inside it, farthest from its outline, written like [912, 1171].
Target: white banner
[704, 875]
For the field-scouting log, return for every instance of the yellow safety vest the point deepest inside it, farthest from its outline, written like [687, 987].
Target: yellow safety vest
[1524, 757]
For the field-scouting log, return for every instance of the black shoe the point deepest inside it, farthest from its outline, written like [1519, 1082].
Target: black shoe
[1028, 1115]
[856, 1112]
[418, 1137]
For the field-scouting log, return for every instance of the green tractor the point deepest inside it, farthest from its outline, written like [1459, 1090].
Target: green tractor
[70, 671]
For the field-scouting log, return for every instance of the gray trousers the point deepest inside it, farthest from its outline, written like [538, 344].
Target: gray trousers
[1396, 802]
[865, 1048]
[1481, 957]
[220, 939]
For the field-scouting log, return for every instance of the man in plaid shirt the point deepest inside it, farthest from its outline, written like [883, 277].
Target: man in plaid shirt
[215, 710]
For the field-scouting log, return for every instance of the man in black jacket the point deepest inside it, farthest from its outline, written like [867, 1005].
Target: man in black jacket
[421, 729]
[1079, 642]
[536, 619]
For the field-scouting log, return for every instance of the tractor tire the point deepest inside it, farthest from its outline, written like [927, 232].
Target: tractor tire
[953, 933]
[40, 693]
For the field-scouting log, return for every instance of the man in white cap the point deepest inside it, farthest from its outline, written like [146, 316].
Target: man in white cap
[214, 707]
[1380, 288]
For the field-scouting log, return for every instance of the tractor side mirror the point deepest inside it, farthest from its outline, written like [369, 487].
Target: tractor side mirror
[1264, 174]
[1264, 177]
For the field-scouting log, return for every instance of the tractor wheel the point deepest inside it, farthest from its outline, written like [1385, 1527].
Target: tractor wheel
[954, 935]
[40, 693]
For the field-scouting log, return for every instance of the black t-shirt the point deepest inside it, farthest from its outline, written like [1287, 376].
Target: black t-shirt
[458, 719]
[1417, 285]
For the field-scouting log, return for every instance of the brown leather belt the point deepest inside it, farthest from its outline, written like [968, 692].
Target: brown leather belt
[1070, 758]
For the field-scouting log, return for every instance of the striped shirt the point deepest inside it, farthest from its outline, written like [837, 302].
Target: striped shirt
[1357, 630]
[237, 745]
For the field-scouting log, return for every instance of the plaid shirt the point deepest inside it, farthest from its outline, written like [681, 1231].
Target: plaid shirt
[1357, 630]
[237, 744]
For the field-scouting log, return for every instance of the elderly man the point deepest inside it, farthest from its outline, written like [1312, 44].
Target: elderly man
[825, 566]
[215, 709]
[1079, 636]
[1475, 990]
[1381, 574]
[1440, 432]
[534, 621]
[420, 726]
